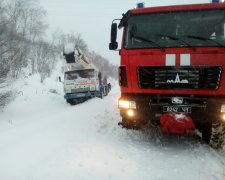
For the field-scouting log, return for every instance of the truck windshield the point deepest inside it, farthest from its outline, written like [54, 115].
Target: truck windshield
[72, 75]
[176, 29]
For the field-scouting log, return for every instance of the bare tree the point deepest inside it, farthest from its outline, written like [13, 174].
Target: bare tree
[26, 27]
[45, 56]
[4, 64]
[103, 65]
[75, 39]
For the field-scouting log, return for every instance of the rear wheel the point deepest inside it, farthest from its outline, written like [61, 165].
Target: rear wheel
[101, 94]
[106, 90]
[214, 134]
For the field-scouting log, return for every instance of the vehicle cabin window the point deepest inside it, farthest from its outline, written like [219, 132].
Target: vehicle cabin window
[176, 29]
[72, 75]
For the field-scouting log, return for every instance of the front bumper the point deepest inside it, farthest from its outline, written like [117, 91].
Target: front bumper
[79, 95]
[200, 108]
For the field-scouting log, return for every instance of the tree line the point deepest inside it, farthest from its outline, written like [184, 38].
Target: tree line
[23, 43]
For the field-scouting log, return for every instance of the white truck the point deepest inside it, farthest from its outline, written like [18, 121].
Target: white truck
[82, 80]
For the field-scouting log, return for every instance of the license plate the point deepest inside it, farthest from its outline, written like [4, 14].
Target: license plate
[177, 109]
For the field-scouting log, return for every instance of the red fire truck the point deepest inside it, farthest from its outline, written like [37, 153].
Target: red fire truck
[172, 69]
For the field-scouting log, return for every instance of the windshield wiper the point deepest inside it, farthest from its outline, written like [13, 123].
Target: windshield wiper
[147, 40]
[177, 39]
[205, 39]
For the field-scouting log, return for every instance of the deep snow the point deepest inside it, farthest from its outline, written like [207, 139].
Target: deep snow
[44, 138]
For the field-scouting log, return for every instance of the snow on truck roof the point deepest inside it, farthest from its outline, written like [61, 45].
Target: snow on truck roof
[68, 48]
[79, 66]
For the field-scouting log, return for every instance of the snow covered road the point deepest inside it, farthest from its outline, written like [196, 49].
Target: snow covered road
[44, 138]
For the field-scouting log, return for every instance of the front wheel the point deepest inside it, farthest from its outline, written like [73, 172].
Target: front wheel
[70, 101]
[214, 134]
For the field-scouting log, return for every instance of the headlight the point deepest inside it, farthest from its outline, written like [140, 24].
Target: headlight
[127, 104]
[223, 108]
[223, 118]
[130, 113]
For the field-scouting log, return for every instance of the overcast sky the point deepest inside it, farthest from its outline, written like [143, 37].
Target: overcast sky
[92, 19]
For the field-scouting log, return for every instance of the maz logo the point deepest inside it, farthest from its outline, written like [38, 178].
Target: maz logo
[177, 80]
[177, 100]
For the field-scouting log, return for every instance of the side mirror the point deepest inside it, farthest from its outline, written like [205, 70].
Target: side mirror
[113, 44]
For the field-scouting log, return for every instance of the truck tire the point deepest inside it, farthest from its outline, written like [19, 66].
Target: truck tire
[107, 91]
[101, 94]
[214, 134]
[70, 101]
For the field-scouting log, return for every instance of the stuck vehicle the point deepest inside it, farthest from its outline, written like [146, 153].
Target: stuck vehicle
[172, 69]
[82, 80]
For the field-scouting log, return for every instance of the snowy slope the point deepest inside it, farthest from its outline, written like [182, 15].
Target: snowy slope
[44, 138]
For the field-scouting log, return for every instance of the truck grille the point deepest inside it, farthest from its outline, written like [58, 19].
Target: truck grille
[194, 77]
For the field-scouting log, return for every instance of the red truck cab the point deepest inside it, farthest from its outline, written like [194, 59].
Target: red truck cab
[173, 63]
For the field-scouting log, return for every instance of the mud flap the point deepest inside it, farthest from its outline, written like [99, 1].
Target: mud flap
[177, 123]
